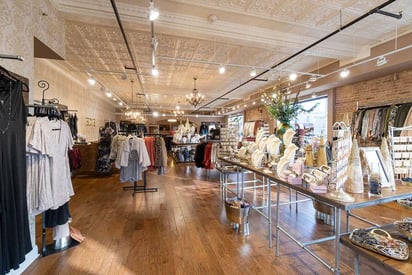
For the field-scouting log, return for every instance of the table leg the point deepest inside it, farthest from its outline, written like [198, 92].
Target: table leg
[347, 221]
[242, 175]
[237, 182]
[277, 218]
[356, 264]
[269, 211]
[337, 239]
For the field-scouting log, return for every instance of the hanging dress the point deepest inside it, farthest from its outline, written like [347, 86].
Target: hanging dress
[15, 240]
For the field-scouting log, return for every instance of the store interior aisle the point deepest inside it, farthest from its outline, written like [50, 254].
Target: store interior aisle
[181, 229]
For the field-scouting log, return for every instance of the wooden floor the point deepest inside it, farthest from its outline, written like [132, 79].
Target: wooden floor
[183, 229]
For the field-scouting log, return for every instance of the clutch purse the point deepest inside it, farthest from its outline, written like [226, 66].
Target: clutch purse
[381, 242]
[405, 227]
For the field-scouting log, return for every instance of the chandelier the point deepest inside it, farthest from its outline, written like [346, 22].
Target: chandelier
[195, 98]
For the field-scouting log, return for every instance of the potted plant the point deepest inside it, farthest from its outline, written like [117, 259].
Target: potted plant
[284, 109]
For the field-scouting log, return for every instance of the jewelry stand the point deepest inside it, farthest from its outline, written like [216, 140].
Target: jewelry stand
[341, 148]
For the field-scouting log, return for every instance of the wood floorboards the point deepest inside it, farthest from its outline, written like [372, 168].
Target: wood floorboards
[183, 229]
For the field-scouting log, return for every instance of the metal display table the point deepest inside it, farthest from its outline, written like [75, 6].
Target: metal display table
[240, 169]
[361, 201]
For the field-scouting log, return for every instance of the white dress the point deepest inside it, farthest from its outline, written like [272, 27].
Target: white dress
[53, 138]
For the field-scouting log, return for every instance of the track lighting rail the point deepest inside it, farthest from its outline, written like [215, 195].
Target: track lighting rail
[116, 12]
[340, 29]
[390, 14]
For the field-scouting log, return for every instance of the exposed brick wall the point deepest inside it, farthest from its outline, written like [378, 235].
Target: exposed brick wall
[386, 90]
[260, 113]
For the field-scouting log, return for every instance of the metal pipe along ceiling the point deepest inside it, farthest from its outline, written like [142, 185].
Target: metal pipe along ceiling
[372, 11]
[136, 67]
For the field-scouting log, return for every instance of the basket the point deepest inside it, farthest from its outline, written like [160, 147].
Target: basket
[321, 207]
[236, 214]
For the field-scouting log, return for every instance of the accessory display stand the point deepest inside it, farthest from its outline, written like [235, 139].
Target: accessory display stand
[341, 145]
[401, 148]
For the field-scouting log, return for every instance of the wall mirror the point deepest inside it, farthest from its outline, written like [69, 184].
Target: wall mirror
[374, 160]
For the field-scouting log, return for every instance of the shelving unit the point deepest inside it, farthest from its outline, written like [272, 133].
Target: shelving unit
[228, 139]
[401, 147]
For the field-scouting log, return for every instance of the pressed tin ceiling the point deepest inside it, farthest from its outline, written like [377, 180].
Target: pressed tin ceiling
[255, 33]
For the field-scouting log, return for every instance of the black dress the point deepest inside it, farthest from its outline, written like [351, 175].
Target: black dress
[15, 240]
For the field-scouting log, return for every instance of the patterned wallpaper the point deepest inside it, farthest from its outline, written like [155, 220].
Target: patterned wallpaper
[20, 21]
[93, 109]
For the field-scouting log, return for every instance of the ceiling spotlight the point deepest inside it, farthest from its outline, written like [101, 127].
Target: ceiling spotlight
[172, 120]
[155, 114]
[109, 94]
[313, 78]
[163, 114]
[153, 12]
[381, 61]
[233, 108]
[91, 80]
[308, 85]
[245, 105]
[155, 71]
[121, 103]
[114, 99]
[293, 76]
[222, 69]
[344, 73]
[254, 102]
[253, 72]
[197, 115]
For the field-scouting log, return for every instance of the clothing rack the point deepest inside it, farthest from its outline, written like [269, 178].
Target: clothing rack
[49, 249]
[374, 106]
[141, 188]
[13, 57]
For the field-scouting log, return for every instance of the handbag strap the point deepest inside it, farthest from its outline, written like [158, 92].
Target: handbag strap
[381, 230]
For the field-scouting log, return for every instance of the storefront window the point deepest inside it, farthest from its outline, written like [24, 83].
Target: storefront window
[316, 122]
